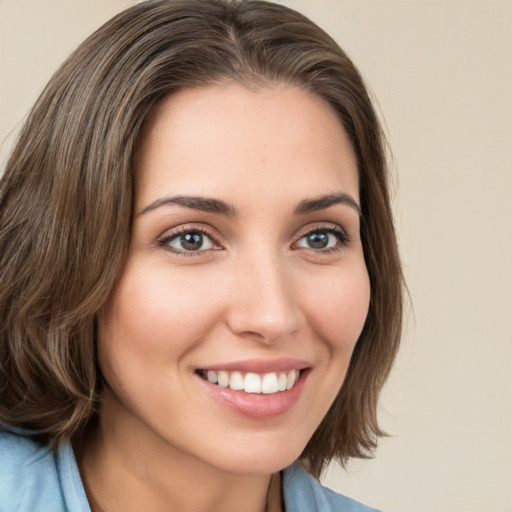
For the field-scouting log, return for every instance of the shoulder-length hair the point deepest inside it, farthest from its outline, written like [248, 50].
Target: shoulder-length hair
[66, 202]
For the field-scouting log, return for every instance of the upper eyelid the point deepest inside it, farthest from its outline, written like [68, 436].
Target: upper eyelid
[172, 233]
[185, 228]
[326, 226]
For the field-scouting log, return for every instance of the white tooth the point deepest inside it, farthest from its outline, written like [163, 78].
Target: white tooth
[236, 381]
[281, 382]
[269, 383]
[291, 378]
[212, 376]
[252, 383]
[223, 379]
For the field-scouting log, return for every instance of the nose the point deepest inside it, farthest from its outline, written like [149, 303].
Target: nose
[263, 304]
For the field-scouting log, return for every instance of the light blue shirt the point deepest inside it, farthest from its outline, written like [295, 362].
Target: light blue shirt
[35, 479]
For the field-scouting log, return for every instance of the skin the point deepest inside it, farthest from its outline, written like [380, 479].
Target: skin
[255, 289]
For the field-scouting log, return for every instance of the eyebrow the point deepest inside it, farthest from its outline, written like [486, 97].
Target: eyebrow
[211, 205]
[195, 203]
[323, 202]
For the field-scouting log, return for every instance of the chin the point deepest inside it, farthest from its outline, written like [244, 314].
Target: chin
[264, 458]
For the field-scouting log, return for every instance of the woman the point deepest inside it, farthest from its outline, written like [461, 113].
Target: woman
[201, 291]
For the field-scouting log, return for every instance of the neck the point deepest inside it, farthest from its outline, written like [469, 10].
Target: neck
[124, 468]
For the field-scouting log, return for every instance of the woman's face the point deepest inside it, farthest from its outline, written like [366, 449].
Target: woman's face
[245, 270]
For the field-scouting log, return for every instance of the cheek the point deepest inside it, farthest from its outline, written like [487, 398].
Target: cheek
[338, 308]
[155, 319]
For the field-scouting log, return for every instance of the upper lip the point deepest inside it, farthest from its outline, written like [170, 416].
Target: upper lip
[259, 365]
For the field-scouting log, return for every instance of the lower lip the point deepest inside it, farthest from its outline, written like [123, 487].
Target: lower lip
[256, 405]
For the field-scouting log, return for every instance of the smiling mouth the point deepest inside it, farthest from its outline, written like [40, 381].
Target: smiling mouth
[265, 383]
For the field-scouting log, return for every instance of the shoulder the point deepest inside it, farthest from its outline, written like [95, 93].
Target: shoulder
[303, 493]
[29, 478]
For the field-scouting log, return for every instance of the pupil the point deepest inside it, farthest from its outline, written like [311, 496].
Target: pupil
[318, 240]
[192, 241]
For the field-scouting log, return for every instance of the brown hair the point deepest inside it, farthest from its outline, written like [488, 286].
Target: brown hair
[67, 193]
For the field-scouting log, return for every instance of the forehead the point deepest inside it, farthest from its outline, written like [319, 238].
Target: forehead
[227, 140]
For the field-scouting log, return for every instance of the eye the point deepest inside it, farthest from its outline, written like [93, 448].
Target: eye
[323, 239]
[188, 242]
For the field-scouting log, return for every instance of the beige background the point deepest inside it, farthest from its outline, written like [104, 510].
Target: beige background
[442, 71]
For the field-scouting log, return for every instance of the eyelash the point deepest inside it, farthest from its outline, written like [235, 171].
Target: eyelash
[164, 241]
[167, 238]
[340, 234]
